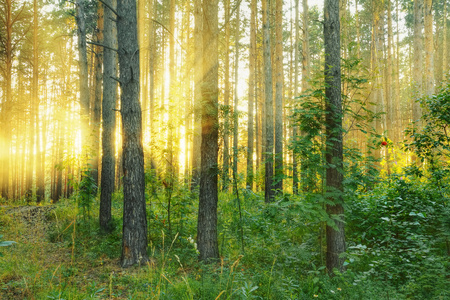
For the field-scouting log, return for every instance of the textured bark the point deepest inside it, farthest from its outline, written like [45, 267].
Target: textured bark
[429, 48]
[236, 99]
[278, 184]
[251, 95]
[418, 59]
[108, 119]
[208, 197]
[171, 140]
[226, 99]
[98, 82]
[83, 74]
[134, 240]
[40, 174]
[390, 120]
[198, 71]
[294, 129]
[7, 104]
[306, 177]
[268, 107]
[334, 152]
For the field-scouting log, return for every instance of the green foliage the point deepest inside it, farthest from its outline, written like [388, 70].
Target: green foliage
[396, 234]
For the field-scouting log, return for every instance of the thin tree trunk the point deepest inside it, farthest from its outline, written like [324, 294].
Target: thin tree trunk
[418, 59]
[429, 48]
[98, 82]
[334, 146]
[236, 99]
[226, 99]
[251, 95]
[278, 182]
[198, 71]
[134, 240]
[109, 100]
[208, 197]
[268, 96]
[294, 128]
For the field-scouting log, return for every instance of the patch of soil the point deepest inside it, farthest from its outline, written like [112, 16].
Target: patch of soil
[34, 218]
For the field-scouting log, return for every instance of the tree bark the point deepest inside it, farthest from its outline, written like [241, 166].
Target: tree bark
[226, 100]
[109, 100]
[236, 98]
[208, 197]
[418, 59]
[83, 75]
[268, 96]
[429, 48]
[134, 240]
[198, 71]
[334, 147]
[251, 95]
[98, 82]
[278, 182]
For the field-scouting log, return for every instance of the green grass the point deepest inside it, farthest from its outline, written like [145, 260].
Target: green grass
[282, 258]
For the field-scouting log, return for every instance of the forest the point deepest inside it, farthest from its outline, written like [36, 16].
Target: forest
[224, 149]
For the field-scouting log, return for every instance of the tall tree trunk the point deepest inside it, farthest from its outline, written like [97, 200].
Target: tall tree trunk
[134, 240]
[226, 99]
[98, 82]
[83, 76]
[418, 59]
[208, 197]
[429, 48]
[294, 128]
[278, 184]
[306, 177]
[198, 71]
[7, 105]
[334, 147]
[40, 174]
[268, 96]
[251, 95]
[390, 120]
[109, 100]
[171, 159]
[236, 99]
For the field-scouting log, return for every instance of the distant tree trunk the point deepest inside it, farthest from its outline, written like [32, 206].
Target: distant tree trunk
[208, 197]
[152, 76]
[390, 122]
[171, 160]
[226, 99]
[306, 178]
[334, 146]
[398, 117]
[198, 71]
[429, 48]
[251, 94]
[98, 82]
[40, 174]
[418, 59]
[268, 96]
[83, 75]
[278, 184]
[236, 98]
[134, 240]
[294, 128]
[444, 42]
[7, 104]
[108, 119]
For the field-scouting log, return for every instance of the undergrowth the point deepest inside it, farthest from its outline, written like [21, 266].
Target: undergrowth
[395, 232]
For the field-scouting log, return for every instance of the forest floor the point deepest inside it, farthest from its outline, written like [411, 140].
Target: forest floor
[42, 264]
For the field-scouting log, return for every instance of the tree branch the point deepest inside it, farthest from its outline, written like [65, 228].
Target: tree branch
[101, 45]
[110, 7]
